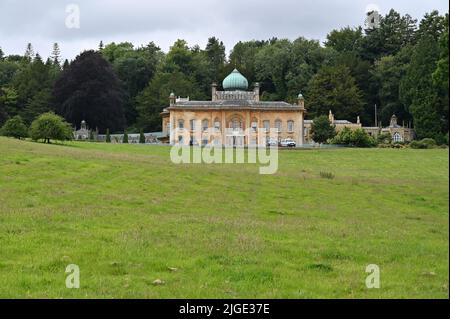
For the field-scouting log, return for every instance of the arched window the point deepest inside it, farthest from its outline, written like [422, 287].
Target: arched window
[192, 123]
[278, 125]
[236, 124]
[205, 125]
[254, 124]
[217, 124]
[290, 125]
[266, 125]
[397, 137]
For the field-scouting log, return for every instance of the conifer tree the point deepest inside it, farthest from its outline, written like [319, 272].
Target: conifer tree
[141, 137]
[29, 52]
[56, 55]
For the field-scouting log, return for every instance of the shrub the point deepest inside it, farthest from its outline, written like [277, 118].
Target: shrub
[108, 136]
[429, 142]
[49, 126]
[14, 127]
[384, 145]
[358, 138]
[417, 145]
[426, 143]
[141, 137]
[384, 138]
[125, 138]
[398, 145]
[441, 139]
[343, 137]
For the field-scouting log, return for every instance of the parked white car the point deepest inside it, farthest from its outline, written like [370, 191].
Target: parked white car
[272, 142]
[288, 142]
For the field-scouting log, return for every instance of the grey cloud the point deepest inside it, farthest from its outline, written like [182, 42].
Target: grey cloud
[163, 21]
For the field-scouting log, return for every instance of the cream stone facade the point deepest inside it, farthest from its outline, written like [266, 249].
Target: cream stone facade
[338, 125]
[234, 117]
[237, 117]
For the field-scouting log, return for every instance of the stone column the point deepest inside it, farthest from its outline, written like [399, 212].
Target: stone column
[222, 127]
[301, 104]
[302, 129]
[247, 126]
[172, 127]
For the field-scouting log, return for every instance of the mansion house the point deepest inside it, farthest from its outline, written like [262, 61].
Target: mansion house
[233, 117]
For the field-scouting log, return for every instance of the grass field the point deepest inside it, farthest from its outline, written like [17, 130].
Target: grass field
[125, 215]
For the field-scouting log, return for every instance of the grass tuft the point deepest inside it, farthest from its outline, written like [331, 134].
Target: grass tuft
[327, 175]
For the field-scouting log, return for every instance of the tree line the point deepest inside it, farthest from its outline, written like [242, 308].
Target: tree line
[401, 66]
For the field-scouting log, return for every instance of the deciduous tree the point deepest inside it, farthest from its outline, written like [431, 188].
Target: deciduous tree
[90, 90]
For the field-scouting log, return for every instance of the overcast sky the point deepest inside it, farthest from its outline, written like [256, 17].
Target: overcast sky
[43, 22]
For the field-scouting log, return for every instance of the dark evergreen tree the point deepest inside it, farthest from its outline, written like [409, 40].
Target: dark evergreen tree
[8, 103]
[141, 137]
[322, 130]
[362, 71]
[441, 75]
[29, 53]
[108, 136]
[394, 32]
[432, 24]
[65, 65]
[155, 96]
[215, 51]
[56, 54]
[33, 85]
[389, 71]
[333, 88]
[418, 91]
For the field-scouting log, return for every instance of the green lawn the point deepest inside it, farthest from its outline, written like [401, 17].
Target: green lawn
[125, 214]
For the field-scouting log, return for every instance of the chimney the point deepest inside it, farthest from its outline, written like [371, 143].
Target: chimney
[331, 117]
[213, 91]
[256, 91]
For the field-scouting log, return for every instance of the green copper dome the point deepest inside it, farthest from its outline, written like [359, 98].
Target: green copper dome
[235, 81]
